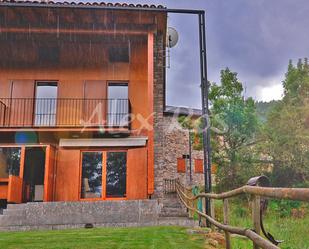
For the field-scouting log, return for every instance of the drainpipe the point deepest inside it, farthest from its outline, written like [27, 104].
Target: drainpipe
[190, 157]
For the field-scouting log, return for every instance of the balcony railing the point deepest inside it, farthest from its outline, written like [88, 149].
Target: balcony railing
[64, 112]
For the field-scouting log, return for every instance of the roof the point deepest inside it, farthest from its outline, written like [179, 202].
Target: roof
[79, 3]
[179, 110]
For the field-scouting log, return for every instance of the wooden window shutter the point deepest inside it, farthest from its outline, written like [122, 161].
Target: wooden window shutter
[198, 166]
[181, 165]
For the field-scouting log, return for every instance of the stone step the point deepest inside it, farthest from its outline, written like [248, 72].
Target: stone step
[16, 206]
[182, 215]
[177, 221]
[172, 205]
[173, 209]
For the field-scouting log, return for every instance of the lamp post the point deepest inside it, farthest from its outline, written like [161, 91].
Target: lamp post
[205, 111]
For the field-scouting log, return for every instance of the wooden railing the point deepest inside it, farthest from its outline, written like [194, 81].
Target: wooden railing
[189, 200]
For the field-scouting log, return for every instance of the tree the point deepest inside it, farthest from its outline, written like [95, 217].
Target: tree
[286, 132]
[234, 125]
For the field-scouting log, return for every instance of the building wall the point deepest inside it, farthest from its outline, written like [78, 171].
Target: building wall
[20, 82]
[173, 144]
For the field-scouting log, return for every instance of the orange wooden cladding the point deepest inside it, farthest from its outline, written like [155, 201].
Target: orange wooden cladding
[67, 175]
[137, 174]
[150, 112]
[198, 166]
[3, 190]
[49, 173]
[21, 89]
[181, 165]
[15, 189]
[95, 89]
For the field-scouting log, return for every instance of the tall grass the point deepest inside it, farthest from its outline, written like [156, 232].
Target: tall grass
[278, 221]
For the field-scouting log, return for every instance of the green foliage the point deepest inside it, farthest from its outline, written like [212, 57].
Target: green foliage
[283, 207]
[286, 131]
[234, 125]
[263, 109]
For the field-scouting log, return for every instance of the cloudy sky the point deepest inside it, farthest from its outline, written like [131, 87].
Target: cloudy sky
[255, 38]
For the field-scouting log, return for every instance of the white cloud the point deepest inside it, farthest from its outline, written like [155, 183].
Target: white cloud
[272, 92]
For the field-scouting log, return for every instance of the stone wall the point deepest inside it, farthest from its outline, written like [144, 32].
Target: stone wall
[77, 214]
[174, 144]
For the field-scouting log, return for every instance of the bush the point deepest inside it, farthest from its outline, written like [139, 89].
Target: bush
[283, 207]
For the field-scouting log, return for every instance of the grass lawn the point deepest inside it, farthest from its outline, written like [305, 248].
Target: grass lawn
[147, 237]
[294, 231]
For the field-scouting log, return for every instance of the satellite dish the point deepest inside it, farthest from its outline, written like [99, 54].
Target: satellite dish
[172, 37]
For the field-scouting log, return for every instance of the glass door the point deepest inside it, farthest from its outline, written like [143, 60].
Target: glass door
[45, 104]
[118, 105]
[103, 174]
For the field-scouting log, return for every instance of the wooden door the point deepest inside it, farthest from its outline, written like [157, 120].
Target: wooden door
[95, 102]
[137, 173]
[21, 103]
[15, 189]
[50, 160]
[15, 184]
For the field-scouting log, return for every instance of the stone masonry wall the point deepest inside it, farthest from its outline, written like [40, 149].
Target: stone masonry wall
[169, 144]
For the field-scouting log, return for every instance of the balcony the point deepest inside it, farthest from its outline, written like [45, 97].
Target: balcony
[64, 113]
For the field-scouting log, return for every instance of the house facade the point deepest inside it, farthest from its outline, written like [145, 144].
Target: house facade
[82, 99]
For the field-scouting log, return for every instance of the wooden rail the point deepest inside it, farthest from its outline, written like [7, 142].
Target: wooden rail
[187, 198]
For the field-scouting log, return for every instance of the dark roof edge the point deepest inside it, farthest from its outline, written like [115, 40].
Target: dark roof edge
[97, 5]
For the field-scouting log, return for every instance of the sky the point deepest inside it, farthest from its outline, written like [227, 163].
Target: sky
[255, 38]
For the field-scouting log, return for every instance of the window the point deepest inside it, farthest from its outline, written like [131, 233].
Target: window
[118, 104]
[119, 54]
[116, 173]
[181, 165]
[45, 104]
[104, 174]
[9, 162]
[91, 175]
[198, 166]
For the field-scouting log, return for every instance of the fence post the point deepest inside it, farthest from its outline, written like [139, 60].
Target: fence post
[212, 209]
[256, 206]
[226, 222]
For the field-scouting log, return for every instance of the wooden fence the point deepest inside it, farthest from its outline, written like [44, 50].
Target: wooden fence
[256, 193]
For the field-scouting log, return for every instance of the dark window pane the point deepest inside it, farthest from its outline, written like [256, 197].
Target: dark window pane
[119, 54]
[116, 172]
[91, 175]
[9, 162]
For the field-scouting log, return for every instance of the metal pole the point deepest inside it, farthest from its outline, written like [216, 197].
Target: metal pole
[205, 110]
[190, 155]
